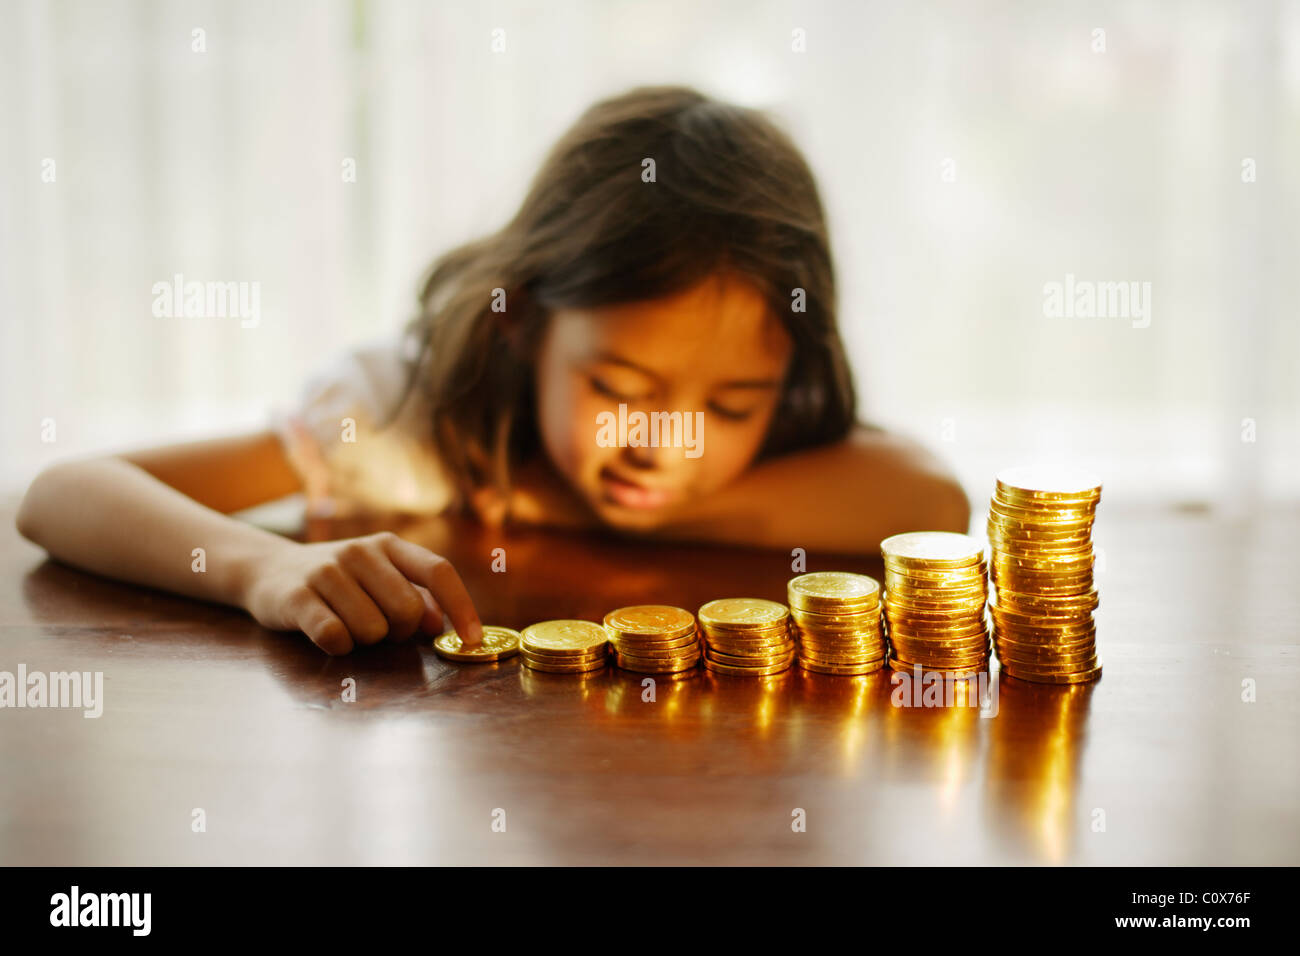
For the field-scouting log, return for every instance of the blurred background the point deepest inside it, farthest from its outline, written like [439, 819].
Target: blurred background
[969, 154]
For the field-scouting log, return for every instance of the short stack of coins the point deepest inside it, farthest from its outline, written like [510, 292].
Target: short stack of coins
[746, 637]
[654, 638]
[564, 647]
[835, 618]
[1040, 533]
[936, 586]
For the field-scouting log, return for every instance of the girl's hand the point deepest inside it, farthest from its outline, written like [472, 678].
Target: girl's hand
[358, 591]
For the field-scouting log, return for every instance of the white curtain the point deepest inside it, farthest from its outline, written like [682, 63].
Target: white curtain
[968, 154]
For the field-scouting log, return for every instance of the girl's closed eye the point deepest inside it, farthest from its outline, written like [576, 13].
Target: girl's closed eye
[731, 414]
[603, 388]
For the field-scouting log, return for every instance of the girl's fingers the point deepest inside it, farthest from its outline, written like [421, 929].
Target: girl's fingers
[399, 600]
[321, 624]
[436, 573]
[346, 598]
[432, 620]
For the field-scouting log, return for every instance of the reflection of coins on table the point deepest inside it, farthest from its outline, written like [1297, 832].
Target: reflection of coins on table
[1040, 532]
[653, 638]
[564, 646]
[498, 643]
[936, 589]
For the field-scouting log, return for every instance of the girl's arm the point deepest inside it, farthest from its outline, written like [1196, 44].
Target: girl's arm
[138, 517]
[844, 497]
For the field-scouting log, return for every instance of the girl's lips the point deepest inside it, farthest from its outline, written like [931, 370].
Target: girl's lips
[631, 495]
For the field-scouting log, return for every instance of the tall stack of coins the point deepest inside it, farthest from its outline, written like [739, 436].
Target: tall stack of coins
[935, 590]
[1040, 531]
[835, 617]
[746, 637]
[654, 638]
[564, 647]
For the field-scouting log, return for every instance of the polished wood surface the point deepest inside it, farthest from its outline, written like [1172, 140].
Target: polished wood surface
[205, 709]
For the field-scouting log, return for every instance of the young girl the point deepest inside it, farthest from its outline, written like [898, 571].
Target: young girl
[671, 257]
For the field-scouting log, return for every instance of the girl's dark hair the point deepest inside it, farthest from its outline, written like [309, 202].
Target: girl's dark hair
[731, 192]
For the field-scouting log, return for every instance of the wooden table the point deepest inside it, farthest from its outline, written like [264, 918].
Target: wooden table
[205, 709]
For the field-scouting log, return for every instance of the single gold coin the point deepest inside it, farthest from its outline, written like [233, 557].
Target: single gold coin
[764, 671]
[842, 670]
[650, 620]
[931, 549]
[564, 637]
[1081, 677]
[1049, 483]
[784, 658]
[743, 613]
[822, 589]
[545, 657]
[498, 643]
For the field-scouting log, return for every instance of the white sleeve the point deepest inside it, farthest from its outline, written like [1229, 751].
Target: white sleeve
[353, 454]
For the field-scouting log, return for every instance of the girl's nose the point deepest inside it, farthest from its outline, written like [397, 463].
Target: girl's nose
[639, 456]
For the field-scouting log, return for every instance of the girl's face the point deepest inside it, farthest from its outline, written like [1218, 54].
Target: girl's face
[713, 354]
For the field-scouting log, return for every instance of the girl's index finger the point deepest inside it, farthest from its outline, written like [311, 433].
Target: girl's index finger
[436, 573]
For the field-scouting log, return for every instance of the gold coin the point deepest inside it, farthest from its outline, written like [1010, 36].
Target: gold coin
[1039, 516]
[833, 619]
[926, 597]
[822, 589]
[650, 620]
[655, 667]
[1030, 579]
[730, 671]
[1018, 529]
[947, 673]
[932, 549]
[636, 643]
[1045, 635]
[743, 644]
[577, 668]
[1079, 678]
[547, 658]
[564, 637]
[1071, 661]
[820, 643]
[498, 643]
[842, 670]
[909, 652]
[749, 661]
[1069, 603]
[749, 634]
[1048, 483]
[845, 660]
[743, 613]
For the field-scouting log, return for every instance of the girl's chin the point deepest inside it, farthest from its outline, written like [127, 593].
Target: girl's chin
[631, 519]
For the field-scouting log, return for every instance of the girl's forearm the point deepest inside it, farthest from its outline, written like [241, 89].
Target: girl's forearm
[845, 497]
[112, 517]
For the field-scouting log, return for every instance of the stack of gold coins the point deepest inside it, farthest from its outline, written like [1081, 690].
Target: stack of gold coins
[564, 647]
[498, 643]
[935, 591]
[835, 617]
[1040, 532]
[746, 637]
[654, 638]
